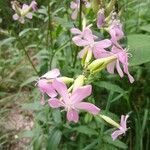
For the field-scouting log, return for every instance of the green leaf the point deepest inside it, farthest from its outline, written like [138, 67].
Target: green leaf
[85, 130]
[110, 86]
[57, 116]
[116, 143]
[146, 28]
[54, 139]
[24, 134]
[29, 80]
[7, 41]
[32, 106]
[139, 45]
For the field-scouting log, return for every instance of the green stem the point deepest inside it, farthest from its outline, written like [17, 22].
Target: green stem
[26, 53]
[80, 27]
[49, 34]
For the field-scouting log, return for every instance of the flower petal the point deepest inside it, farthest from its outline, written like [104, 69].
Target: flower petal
[54, 73]
[73, 5]
[15, 17]
[123, 121]
[74, 14]
[47, 88]
[61, 88]
[55, 103]
[103, 44]
[111, 67]
[91, 108]
[72, 115]
[79, 94]
[25, 6]
[75, 31]
[79, 41]
[29, 15]
[119, 70]
[115, 134]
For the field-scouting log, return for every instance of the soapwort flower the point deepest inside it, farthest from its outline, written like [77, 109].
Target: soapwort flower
[45, 84]
[100, 18]
[122, 57]
[86, 39]
[23, 12]
[72, 102]
[121, 129]
[75, 6]
[115, 30]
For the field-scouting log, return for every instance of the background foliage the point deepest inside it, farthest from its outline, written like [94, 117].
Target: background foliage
[115, 96]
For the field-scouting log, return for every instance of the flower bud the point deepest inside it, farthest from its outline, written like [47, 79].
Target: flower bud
[110, 121]
[66, 80]
[87, 57]
[99, 64]
[100, 18]
[78, 82]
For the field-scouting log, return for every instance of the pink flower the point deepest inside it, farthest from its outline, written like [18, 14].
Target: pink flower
[115, 31]
[87, 40]
[75, 6]
[100, 18]
[73, 102]
[122, 57]
[45, 84]
[122, 129]
[23, 12]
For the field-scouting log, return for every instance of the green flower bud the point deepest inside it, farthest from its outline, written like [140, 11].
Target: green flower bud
[99, 64]
[78, 82]
[66, 80]
[110, 121]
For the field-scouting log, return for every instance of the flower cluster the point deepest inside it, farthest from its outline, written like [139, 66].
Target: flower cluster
[96, 54]
[24, 11]
[60, 96]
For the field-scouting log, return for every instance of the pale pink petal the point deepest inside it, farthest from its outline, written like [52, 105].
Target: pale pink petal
[72, 115]
[25, 6]
[119, 70]
[73, 5]
[111, 67]
[34, 5]
[79, 94]
[61, 88]
[91, 108]
[123, 121]
[79, 42]
[75, 31]
[47, 88]
[87, 35]
[15, 17]
[74, 14]
[103, 44]
[100, 18]
[115, 134]
[131, 79]
[54, 73]
[55, 103]
[29, 15]
[101, 53]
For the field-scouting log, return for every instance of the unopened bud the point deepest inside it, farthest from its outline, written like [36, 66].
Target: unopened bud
[99, 64]
[66, 80]
[78, 82]
[87, 57]
[110, 121]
